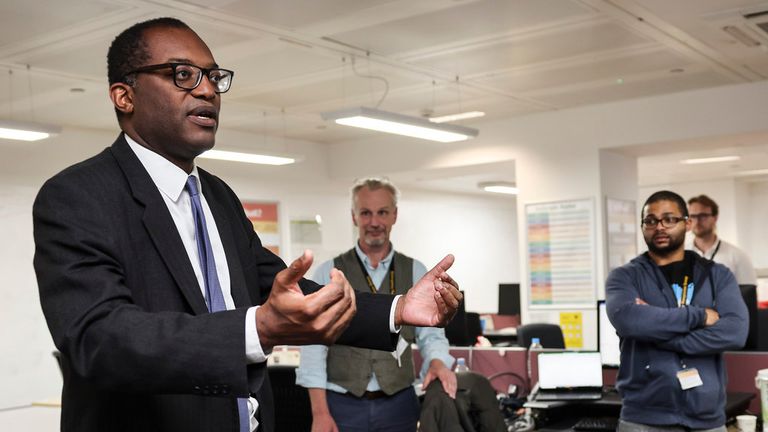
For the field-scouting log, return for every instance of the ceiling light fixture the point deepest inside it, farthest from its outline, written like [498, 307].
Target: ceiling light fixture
[26, 131]
[706, 160]
[384, 121]
[756, 172]
[501, 187]
[247, 157]
[456, 117]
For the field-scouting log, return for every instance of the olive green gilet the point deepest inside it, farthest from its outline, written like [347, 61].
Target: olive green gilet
[350, 367]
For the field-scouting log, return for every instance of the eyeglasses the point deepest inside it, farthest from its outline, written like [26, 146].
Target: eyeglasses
[666, 221]
[188, 76]
[700, 216]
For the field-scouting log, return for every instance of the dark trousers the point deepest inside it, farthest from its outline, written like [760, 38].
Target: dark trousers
[396, 413]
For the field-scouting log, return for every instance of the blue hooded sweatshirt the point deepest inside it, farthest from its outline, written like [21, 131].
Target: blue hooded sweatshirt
[660, 339]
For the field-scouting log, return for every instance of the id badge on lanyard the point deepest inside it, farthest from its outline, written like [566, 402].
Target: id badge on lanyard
[683, 293]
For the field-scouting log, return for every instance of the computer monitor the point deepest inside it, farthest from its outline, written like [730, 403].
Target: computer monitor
[509, 299]
[456, 330]
[749, 294]
[607, 339]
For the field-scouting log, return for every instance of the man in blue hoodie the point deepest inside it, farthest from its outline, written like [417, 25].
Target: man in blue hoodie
[675, 313]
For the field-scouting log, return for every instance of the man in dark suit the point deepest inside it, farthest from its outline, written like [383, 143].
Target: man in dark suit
[156, 290]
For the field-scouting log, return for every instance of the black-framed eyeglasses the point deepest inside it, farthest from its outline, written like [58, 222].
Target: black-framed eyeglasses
[700, 216]
[188, 76]
[666, 221]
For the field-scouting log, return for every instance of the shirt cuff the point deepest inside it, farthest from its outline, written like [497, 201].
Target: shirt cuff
[253, 351]
[392, 328]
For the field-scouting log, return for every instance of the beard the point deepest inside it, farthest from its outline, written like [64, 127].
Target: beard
[673, 245]
[374, 242]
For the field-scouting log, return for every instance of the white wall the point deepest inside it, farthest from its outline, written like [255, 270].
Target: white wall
[758, 224]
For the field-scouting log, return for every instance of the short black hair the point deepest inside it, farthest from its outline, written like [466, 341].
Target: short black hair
[130, 50]
[666, 195]
[706, 202]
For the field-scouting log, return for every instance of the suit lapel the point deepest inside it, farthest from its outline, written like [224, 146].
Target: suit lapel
[224, 225]
[159, 225]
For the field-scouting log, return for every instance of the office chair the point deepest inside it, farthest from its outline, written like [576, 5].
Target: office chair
[293, 411]
[550, 335]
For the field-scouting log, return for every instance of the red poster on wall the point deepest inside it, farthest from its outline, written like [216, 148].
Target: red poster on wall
[264, 216]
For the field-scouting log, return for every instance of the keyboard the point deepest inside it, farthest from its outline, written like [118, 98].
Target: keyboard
[567, 396]
[596, 424]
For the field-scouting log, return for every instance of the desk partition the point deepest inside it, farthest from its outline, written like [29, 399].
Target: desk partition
[508, 366]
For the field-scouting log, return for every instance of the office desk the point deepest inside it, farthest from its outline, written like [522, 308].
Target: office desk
[559, 416]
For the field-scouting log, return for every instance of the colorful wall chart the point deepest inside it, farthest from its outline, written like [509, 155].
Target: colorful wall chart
[561, 253]
[263, 215]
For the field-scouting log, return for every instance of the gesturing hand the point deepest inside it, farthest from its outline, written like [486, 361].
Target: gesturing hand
[438, 371]
[289, 317]
[433, 301]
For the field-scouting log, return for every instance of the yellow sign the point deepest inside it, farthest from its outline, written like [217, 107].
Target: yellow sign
[571, 323]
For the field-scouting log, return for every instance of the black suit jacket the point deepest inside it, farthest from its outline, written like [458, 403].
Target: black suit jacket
[139, 350]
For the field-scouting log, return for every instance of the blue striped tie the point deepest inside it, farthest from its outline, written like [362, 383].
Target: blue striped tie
[213, 294]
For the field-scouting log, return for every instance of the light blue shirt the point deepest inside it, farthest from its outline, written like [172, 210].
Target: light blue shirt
[431, 341]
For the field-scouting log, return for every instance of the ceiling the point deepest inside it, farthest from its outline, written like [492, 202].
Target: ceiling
[296, 58]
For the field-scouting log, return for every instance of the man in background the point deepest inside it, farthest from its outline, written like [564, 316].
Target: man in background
[356, 389]
[675, 313]
[704, 212]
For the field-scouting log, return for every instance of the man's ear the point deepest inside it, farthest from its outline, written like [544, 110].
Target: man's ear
[354, 220]
[121, 95]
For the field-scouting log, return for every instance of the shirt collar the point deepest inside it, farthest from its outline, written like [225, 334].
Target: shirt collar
[168, 178]
[384, 262]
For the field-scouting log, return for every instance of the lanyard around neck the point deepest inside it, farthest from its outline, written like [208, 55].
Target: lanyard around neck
[717, 248]
[368, 279]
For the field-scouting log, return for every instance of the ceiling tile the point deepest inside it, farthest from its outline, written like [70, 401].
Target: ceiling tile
[464, 21]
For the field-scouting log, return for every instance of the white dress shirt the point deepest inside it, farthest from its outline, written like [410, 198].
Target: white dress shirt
[171, 181]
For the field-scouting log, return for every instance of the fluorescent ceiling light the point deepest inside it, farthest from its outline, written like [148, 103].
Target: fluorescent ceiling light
[499, 187]
[383, 121]
[456, 117]
[756, 172]
[247, 157]
[26, 131]
[710, 160]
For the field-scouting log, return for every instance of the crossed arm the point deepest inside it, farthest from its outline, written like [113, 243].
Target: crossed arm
[693, 330]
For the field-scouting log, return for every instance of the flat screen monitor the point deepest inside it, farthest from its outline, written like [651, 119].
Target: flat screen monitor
[509, 299]
[607, 339]
[749, 294]
[456, 330]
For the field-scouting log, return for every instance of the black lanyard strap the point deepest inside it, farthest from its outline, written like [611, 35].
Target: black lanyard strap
[712, 258]
[368, 279]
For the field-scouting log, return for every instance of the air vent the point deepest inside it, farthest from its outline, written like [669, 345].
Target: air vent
[741, 36]
[756, 27]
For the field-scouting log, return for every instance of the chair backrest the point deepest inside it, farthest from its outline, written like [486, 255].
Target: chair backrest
[550, 335]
